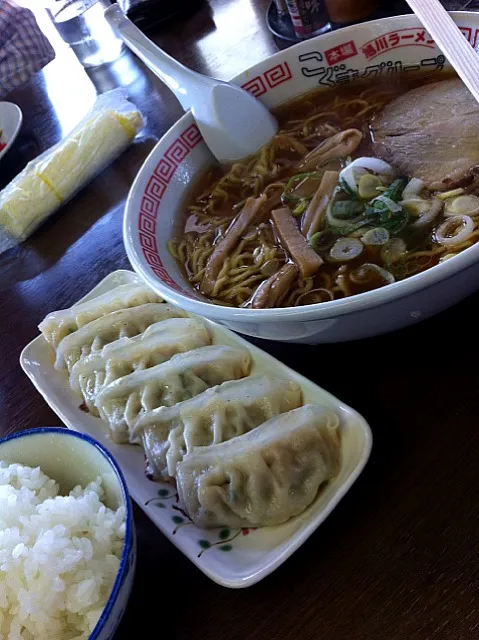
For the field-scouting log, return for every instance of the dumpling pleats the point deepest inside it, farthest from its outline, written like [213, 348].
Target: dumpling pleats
[124, 401]
[126, 323]
[216, 415]
[263, 477]
[59, 324]
[160, 342]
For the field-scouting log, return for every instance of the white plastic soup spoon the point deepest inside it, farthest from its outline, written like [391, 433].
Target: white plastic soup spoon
[232, 122]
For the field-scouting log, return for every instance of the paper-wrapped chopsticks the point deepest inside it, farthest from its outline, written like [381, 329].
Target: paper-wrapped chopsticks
[54, 177]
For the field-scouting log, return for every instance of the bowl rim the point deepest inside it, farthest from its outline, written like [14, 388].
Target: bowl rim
[318, 311]
[15, 109]
[129, 530]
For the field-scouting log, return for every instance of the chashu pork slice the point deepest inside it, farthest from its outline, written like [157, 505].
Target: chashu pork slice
[431, 133]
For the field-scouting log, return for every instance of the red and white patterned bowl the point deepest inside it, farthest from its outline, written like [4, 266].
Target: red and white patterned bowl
[154, 208]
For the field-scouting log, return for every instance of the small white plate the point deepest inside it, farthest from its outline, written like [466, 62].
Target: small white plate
[230, 557]
[10, 122]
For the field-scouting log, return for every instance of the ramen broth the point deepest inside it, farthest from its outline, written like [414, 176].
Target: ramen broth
[288, 227]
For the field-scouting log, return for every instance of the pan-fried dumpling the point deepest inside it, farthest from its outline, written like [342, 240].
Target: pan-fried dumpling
[120, 324]
[216, 415]
[59, 324]
[263, 477]
[158, 343]
[186, 375]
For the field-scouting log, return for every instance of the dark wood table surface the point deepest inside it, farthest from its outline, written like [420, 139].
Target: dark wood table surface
[399, 557]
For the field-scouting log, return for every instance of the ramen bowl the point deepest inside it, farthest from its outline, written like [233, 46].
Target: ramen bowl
[156, 203]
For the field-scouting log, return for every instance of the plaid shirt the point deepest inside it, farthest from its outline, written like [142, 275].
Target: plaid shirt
[24, 50]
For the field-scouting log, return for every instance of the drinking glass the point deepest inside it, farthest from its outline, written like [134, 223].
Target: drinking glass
[82, 25]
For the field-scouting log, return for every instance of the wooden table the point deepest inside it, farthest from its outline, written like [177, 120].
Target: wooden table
[399, 557]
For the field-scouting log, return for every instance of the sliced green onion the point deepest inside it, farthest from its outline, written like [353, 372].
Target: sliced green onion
[287, 196]
[368, 272]
[322, 240]
[395, 224]
[393, 250]
[429, 215]
[354, 170]
[301, 207]
[416, 206]
[395, 190]
[388, 203]
[413, 188]
[346, 209]
[339, 222]
[368, 186]
[462, 205]
[349, 229]
[344, 186]
[376, 237]
[385, 212]
[346, 249]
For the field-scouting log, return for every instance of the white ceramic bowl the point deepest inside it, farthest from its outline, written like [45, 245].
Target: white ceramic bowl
[71, 459]
[10, 122]
[154, 206]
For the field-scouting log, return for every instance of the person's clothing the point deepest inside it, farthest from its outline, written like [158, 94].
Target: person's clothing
[24, 49]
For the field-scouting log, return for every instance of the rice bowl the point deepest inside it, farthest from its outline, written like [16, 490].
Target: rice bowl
[66, 538]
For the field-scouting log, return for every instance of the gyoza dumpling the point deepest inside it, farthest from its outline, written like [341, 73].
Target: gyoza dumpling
[59, 324]
[263, 477]
[216, 415]
[186, 375]
[95, 335]
[158, 343]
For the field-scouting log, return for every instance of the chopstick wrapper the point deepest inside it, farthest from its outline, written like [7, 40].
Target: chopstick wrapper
[54, 177]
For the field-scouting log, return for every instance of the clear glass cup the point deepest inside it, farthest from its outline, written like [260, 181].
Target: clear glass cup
[82, 25]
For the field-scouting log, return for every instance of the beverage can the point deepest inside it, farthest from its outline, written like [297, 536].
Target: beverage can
[307, 16]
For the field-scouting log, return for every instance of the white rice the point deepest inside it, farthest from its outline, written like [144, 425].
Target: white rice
[59, 556]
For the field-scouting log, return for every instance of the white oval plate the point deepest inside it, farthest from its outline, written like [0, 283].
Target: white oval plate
[10, 122]
[231, 557]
